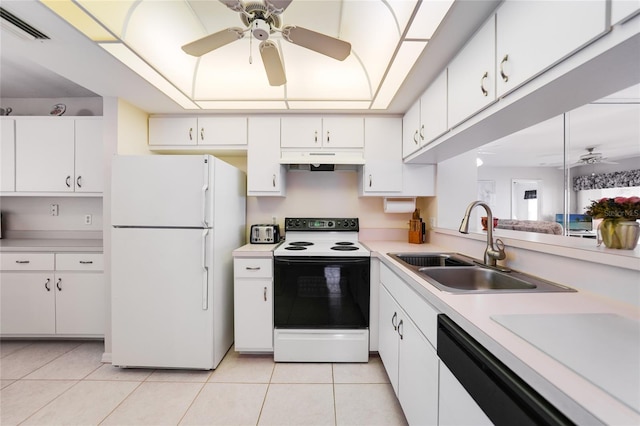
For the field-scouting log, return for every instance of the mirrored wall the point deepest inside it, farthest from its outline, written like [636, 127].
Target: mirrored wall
[551, 171]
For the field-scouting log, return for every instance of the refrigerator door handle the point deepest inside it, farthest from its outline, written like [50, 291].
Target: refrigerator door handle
[205, 188]
[205, 272]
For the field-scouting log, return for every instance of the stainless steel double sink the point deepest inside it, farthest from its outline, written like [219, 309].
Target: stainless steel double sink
[456, 273]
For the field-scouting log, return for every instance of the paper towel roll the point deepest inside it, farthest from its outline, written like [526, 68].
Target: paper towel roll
[399, 205]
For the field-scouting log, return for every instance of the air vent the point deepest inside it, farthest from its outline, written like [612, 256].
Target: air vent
[19, 27]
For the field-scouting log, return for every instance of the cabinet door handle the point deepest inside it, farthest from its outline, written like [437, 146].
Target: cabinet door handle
[504, 76]
[328, 137]
[86, 262]
[58, 284]
[484, 77]
[400, 330]
[201, 133]
[415, 137]
[265, 294]
[46, 284]
[190, 133]
[79, 181]
[394, 320]
[315, 137]
[23, 261]
[274, 180]
[370, 181]
[68, 181]
[252, 268]
[422, 132]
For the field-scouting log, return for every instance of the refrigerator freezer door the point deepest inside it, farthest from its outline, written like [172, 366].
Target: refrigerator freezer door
[162, 298]
[161, 191]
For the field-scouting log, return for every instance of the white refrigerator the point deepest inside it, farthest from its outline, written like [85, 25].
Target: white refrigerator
[176, 220]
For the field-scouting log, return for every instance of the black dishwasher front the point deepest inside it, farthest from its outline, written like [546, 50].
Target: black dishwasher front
[503, 396]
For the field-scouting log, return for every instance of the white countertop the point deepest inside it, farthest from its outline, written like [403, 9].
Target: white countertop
[255, 250]
[50, 245]
[576, 396]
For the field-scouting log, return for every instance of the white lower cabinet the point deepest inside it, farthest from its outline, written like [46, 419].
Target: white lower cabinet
[456, 407]
[410, 360]
[253, 304]
[49, 294]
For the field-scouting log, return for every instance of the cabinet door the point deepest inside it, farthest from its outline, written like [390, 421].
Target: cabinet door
[411, 130]
[456, 406]
[265, 174]
[417, 376]
[301, 132]
[45, 155]
[388, 335]
[222, 131]
[524, 50]
[27, 304]
[433, 109]
[80, 303]
[253, 314]
[89, 156]
[472, 76]
[173, 131]
[343, 132]
[7, 155]
[382, 171]
[622, 9]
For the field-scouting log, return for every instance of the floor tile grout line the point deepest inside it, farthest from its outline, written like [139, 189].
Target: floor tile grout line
[120, 403]
[50, 401]
[191, 404]
[333, 389]
[266, 392]
[49, 362]
[16, 350]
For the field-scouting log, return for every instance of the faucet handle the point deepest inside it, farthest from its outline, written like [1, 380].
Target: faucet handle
[500, 246]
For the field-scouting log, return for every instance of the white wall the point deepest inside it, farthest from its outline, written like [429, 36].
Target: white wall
[456, 188]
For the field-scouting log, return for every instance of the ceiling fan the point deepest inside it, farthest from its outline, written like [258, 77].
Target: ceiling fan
[591, 158]
[262, 18]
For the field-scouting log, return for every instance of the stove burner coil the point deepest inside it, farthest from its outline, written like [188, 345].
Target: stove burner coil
[344, 248]
[300, 243]
[344, 243]
[295, 248]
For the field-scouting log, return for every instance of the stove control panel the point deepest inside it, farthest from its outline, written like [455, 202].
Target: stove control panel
[321, 224]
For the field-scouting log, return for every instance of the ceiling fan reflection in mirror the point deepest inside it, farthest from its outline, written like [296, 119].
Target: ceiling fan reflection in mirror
[262, 18]
[591, 158]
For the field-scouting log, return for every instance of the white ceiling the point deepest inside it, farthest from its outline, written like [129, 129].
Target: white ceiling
[48, 68]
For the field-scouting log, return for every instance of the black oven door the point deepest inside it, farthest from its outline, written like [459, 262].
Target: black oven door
[321, 292]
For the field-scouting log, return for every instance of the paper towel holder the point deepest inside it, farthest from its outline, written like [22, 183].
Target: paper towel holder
[399, 204]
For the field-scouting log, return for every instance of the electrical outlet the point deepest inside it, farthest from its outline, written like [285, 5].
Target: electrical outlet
[53, 210]
[274, 220]
[87, 219]
[432, 222]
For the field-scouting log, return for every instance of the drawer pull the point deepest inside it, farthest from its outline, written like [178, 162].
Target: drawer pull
[252, 268]
[86, 262]
[22, 261]
[58, 284]
[46, 284]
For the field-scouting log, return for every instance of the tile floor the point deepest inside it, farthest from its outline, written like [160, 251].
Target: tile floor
[64, 382]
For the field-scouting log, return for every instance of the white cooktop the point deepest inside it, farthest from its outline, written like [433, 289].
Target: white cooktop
[322, 244]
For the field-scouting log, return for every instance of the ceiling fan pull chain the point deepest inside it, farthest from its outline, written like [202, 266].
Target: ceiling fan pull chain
[250, 50]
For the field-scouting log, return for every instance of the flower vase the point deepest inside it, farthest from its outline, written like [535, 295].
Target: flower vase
[619, 233]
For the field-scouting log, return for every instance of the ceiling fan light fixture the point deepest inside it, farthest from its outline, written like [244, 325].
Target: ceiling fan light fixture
[260, 29]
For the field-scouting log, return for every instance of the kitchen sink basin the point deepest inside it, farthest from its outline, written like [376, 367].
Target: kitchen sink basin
[430, 259]
[455, 273]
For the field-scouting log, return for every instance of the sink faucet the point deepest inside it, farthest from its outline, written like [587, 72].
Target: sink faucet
[491, 253]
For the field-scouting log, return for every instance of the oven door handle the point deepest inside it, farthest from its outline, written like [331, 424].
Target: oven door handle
[322, 261]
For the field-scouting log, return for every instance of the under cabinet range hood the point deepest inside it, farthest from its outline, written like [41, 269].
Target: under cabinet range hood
[322, 157]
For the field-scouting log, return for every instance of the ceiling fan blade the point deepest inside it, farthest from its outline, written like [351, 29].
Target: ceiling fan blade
[321, 43]
[213, 41]
[272, 63]
[277, 6]
[235, 5]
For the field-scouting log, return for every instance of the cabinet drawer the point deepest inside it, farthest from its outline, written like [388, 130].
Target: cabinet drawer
[79, 262]
[251, 268]
[26, 261]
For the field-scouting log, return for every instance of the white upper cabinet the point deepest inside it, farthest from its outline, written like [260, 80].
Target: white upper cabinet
[433, 109]
[623, 9]
[265, 174]
[7, 155]
[318, 132]
[411, 130]
[45, 155]
[382, 171]
[89, 156]
[472, 76]
[59, 154]
[189, 131]
[524, 49]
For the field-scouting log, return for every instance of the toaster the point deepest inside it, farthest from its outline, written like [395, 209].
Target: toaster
[265, 234]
